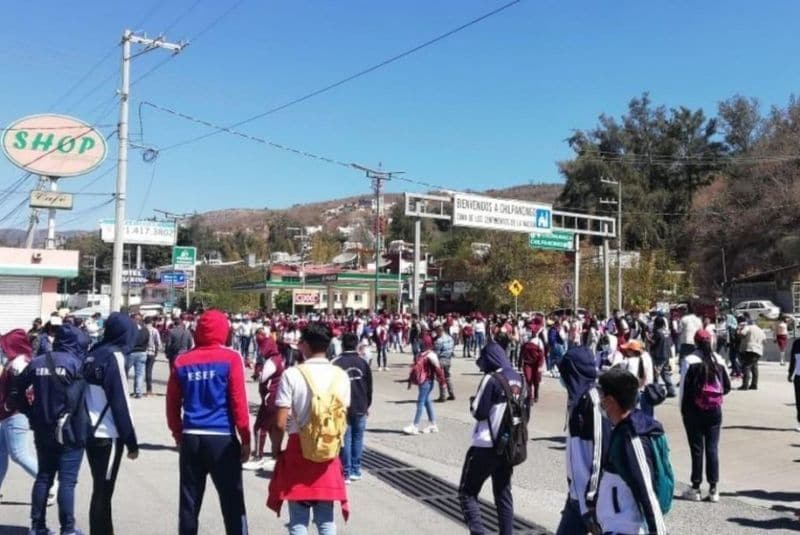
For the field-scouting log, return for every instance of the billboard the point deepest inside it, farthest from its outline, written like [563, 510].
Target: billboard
[141, 232]
[54, 145]
[477, 211]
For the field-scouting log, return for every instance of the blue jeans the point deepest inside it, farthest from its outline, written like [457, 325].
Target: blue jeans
[382, 362]
[55, 459]
[424, 402]
[300, 515]
[138, 361]
[353, 446]
[245, 347]
[480, 341]
[14, 444]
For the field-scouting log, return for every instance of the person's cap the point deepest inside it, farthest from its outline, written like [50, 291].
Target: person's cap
[702, 336]
[632, 345]
[56, 321]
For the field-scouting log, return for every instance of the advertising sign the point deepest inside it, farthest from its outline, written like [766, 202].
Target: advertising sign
[184, 257]
[305, 297]
[141, 232]
[501, 214]
[50, 199]
[54, 145]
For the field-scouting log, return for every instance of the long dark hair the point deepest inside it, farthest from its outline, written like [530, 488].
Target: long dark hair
[709, 360]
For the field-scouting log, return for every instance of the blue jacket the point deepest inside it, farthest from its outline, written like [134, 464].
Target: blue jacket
[104, 370]
[49, 397]
[489, 403]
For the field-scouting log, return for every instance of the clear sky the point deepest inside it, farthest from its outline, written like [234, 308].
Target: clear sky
[487, 107]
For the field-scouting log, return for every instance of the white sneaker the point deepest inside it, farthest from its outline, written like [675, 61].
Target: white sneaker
[713, 497]
[432, 428]
[255, 464]
[385, 369]
[355, 478]
[411, 430]
[692, 494]
[267, 465]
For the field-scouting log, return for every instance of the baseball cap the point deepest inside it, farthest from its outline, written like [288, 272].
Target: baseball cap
[702, 336]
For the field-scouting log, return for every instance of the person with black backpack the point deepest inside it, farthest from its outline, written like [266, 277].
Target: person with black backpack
[59, 424]
[499, 439]
[704, 383]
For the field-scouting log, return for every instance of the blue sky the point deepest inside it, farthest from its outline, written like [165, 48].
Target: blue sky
[488, 107]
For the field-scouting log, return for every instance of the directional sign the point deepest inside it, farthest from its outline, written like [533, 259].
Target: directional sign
[515, 287]
[173, 278]
[557, 240]
[477, 211]
[184, 257]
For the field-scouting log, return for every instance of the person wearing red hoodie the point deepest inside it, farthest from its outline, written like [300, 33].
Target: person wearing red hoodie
[15, 355]
[207, 386]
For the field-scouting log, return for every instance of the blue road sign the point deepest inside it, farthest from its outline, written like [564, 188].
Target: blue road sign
[543, 218]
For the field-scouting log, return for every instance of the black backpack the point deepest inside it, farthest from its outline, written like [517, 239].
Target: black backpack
[73, 426]
[511, 442]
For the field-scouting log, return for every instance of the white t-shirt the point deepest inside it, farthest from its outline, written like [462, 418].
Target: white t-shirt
[480, 327]
[633, 367]
[690, 324]
[293, 392]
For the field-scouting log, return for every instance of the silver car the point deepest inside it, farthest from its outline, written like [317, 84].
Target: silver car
[762, 307]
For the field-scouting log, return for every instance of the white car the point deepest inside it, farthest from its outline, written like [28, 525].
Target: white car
[762, 307]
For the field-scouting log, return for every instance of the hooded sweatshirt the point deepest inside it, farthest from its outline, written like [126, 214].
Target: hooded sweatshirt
[49, 396]
[627, 502]
[208, 384]
[16, 348]
[489, 404]
[587, 431]
[107, 395]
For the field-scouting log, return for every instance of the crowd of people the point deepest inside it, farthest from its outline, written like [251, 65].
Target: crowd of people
[67, 380]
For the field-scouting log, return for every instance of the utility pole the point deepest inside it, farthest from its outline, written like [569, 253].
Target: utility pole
[415, 293]
[34, 220]
[377, 177]
[617, 202]
[128, 38]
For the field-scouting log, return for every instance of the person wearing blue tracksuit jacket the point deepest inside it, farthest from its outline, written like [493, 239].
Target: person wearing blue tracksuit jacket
[49, 403]
[488, 407]
[627, 503]
[586, 442]
[109, 411]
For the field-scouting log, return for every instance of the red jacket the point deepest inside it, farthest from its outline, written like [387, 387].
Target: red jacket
[206, 389]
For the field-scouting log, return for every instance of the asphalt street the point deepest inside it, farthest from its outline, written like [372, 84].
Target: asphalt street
[760, 460]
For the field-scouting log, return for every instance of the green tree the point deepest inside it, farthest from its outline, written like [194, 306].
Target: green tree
[283, 301]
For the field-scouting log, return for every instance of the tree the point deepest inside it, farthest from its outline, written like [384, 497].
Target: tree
[324, 247]
[283, 301]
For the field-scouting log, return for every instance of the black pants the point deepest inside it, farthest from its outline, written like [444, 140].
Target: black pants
[445, 363]
[750, 365]
[702, 430]
[219, 457]
[479, 465]
[148, 373]
[797, 396]
[104, 455]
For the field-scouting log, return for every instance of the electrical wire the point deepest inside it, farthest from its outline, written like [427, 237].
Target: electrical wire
[81, 214]
[149, 187]
[97, 179]
[350, 78]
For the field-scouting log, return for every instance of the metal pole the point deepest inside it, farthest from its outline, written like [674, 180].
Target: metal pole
[94, 274]
[130, 277]
[400, 280]
[606, 296]
[724, 268]
[619, 244]
[417, 254]
[516, 307]
[51, 218]
[377, 237]
[576, 288]
[138, 257]
[122, 175]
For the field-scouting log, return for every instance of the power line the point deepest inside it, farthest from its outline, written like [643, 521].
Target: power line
[352, 77]
[196, 36]
[149, 187]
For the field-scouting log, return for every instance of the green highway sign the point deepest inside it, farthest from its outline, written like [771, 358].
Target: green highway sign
[184, 257]
[558, 240]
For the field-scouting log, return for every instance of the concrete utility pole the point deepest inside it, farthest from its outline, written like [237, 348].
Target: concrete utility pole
[34, 220]
[618, 202]
[128, 38]
[417, 238]
[377, 177]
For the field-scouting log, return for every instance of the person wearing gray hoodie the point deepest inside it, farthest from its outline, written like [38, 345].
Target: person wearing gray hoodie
[586, 440]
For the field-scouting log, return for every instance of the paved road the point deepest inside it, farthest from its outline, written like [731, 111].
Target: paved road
[760, 452]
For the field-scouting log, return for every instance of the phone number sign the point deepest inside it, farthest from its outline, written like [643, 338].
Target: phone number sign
[141, 232]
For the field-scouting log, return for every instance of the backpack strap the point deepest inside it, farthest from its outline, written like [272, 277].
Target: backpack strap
[312, 387]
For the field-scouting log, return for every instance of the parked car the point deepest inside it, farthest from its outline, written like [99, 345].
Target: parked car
[762, 307]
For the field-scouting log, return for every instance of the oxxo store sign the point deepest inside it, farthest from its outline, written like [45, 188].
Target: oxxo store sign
[54, 145]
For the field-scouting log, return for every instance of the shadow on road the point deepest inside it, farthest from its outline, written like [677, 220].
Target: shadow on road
[13, 530]
[758, 428]
[386, 431]
[154, 447]
[402, 401]
[560, 439]
[774, 523]
[779, 496]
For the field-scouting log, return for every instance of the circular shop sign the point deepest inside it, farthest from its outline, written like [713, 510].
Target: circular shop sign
[54, 145]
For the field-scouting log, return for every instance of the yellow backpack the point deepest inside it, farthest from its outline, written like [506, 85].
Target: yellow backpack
[322, 436]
